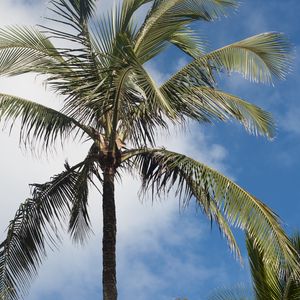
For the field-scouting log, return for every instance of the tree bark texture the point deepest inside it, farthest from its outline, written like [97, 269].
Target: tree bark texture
[109, 279]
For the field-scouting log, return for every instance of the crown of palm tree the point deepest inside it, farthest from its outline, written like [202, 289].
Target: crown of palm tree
[111, 100]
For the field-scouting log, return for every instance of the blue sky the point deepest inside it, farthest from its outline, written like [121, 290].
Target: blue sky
[164, 253]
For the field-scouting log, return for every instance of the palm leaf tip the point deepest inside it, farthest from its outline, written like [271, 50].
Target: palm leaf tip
[258, 58]
[278, 53]
[223, 106]
[79, 223]
[161, 169]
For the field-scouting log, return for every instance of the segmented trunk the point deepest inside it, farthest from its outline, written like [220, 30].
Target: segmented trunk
[109, 279]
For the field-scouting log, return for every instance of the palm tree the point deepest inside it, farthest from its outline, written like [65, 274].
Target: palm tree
[277, 283]
[111, 100]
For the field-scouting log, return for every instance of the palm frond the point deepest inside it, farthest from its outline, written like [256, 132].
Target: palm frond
[209, 104]
[33, 227]
[129, 7]
[189, 41]
[162, 169]
[24, 49]
[139, 105]
[39, 124]
[295, 239]
[73, 13]
[266, 280]
[252, 117]
[167, 17]
[290, 280]
[225, 229]
[79, 224]
[153, 94]
[75, 16]
[84, 8]
[258, 58]
[92, 84]
[292, 289]
[207, 204]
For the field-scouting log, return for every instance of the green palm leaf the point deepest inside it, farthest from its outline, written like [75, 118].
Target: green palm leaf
[266, 280]
[189, 41]
[161, 169]
[257, 58]
[269, 282]
[129, 7]
[290, 279]
[207, 104]
[39, 124]
[79, 224]
[33, 226]
[73, 13]
[141, 106]
[25, 49]
[217, 216]
[167, 17]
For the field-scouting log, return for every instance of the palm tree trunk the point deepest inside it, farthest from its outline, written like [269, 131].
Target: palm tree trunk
[109, 279]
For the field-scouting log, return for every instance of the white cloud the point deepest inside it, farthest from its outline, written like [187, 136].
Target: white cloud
[18, 12]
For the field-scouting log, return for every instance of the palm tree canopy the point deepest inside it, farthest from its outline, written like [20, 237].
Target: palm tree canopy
[111, 100]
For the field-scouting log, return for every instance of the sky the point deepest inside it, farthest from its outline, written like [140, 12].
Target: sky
[162, 252]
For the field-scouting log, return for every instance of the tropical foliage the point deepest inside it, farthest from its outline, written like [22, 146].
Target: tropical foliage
[278, 283]
[112, 101]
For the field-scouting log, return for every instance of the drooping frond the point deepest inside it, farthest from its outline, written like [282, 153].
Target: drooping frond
[224, 105]
[257, 58]
[35, 225]
[79, 224]
[217, 216]
[162, 169]
[266, 279]
[276, 283]
[39, 124]
[290, 279]
[208, 104]
[167, 17]
[25, 49]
